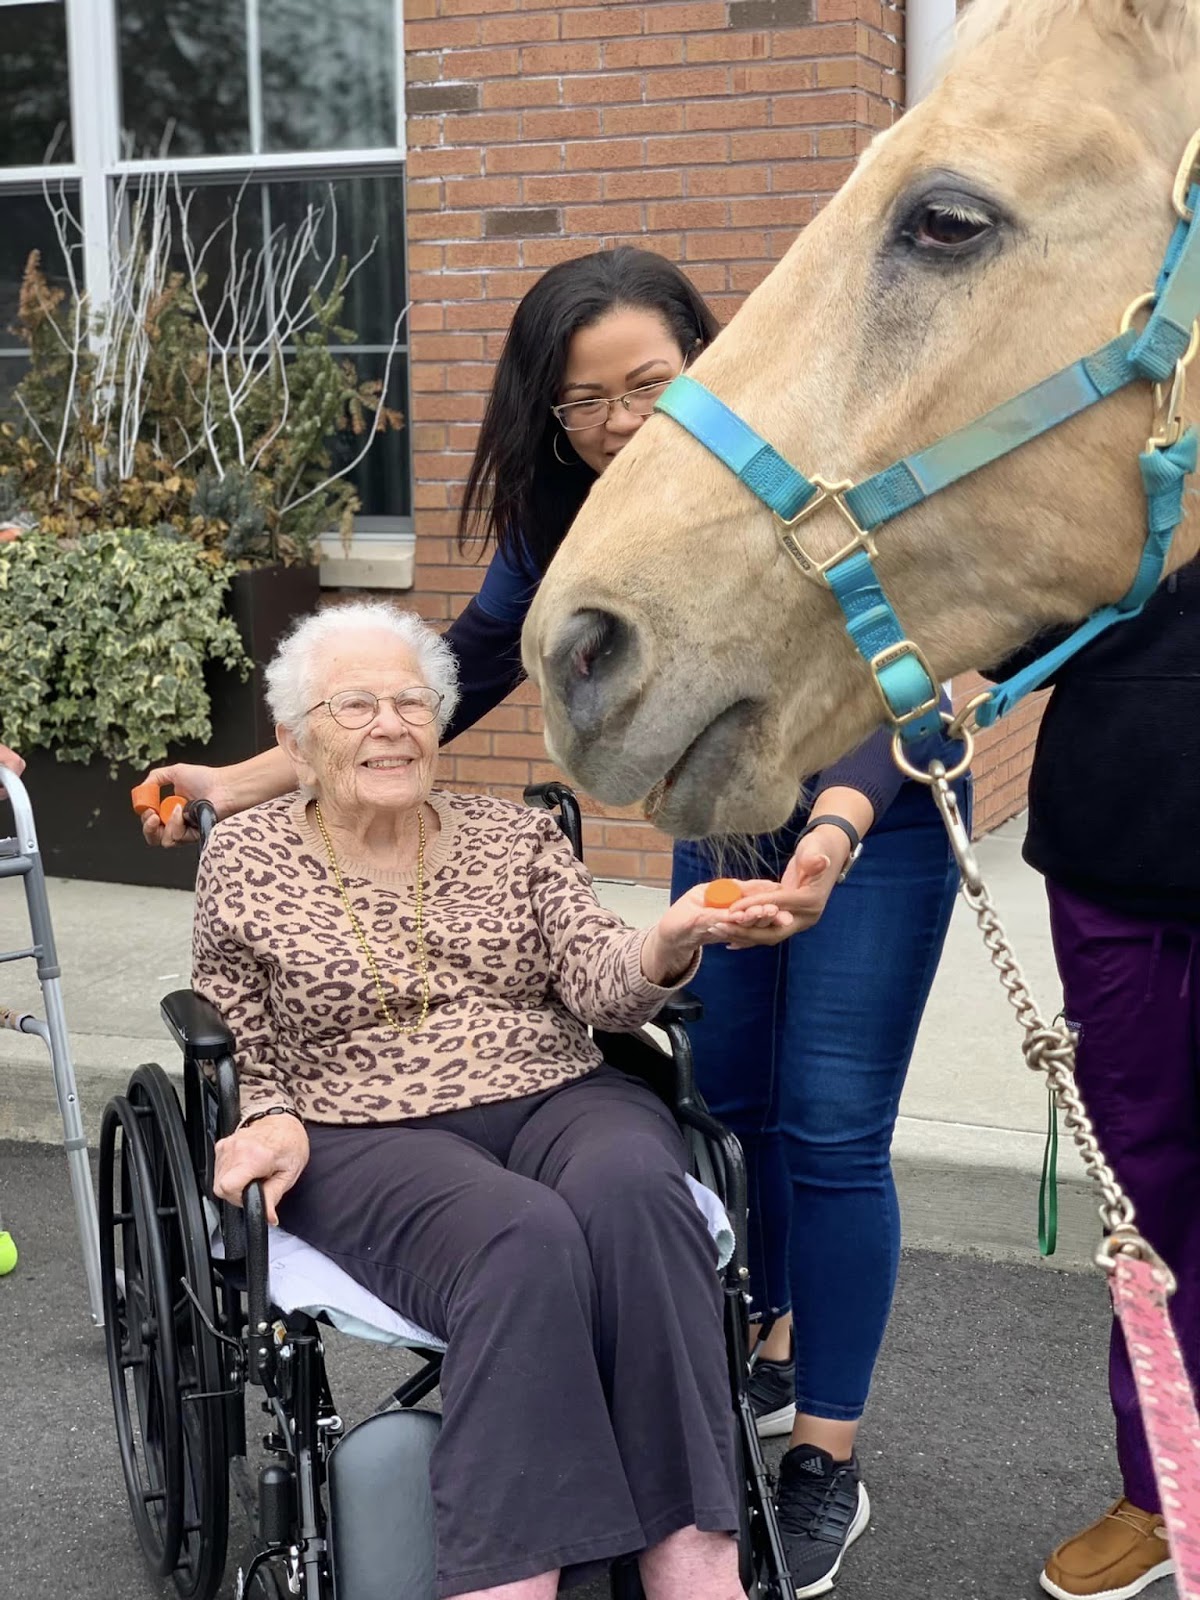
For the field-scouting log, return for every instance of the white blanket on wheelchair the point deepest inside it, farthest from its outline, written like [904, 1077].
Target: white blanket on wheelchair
[302, 1279]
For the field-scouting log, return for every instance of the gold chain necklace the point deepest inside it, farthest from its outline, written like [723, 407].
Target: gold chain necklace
[422, 962]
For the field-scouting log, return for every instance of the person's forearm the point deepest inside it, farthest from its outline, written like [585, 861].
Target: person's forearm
[261, 778]
[867, 770]
[489, 664]
[840, 801]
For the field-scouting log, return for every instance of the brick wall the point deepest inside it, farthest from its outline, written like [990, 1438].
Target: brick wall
[709, 130]
[1003, 755]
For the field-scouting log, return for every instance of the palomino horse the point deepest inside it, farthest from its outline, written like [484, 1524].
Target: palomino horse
[994, 235]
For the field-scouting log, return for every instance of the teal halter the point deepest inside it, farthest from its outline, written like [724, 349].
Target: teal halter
[1159, 354]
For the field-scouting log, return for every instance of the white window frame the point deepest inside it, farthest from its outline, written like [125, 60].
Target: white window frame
[99, 167]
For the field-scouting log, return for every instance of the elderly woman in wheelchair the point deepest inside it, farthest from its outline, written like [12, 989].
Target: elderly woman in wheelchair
[409, 977]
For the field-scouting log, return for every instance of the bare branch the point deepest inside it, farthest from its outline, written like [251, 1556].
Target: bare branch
[32, 420]
[371, 431]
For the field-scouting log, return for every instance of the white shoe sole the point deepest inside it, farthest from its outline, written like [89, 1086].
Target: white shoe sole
[775, 1423]
[1164, 1569]
[857, 1528]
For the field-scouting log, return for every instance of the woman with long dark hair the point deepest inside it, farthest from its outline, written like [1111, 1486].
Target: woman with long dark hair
[804, 1046]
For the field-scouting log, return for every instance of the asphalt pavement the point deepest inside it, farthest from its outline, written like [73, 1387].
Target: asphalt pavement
[988, 1436]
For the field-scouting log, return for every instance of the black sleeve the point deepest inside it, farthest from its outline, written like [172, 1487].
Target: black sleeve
[489, 664]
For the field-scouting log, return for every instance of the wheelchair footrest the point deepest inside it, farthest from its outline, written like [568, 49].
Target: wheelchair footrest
[381, 1508]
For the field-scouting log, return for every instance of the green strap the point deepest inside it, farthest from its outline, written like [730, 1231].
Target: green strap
[1048, 1189]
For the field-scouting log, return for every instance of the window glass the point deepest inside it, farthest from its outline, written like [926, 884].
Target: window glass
[328, 75]
[26, 225]
[352, 216]
[184, 84]
[324, 77]
[36, 119]
[382, 477]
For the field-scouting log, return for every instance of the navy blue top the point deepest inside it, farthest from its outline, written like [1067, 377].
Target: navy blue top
[487, 641]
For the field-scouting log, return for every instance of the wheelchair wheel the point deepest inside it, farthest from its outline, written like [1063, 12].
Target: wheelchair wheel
[201, 1368]
[139, 1337]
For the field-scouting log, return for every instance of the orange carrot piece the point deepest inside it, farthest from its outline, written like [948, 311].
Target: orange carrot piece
[145, 797]
[723, 893]
[172, 804]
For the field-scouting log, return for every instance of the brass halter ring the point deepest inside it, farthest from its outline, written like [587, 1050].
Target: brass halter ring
[1143, 303]
[957, 731]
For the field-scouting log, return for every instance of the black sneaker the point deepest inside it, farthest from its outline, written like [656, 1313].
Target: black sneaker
[771, 1389]
[822, 1509]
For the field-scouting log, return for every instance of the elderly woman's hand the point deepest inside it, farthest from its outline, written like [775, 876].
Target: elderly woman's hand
[689, 924]
[273, 1149]
[11, 760]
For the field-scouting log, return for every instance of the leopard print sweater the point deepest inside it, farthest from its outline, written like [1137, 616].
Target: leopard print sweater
[521, 957]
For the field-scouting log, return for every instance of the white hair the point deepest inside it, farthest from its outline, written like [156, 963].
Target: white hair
[292, 672]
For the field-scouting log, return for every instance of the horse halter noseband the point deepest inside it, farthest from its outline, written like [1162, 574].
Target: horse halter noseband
[1159, 354]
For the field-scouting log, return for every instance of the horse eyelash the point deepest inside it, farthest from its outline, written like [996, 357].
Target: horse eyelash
[959, 212]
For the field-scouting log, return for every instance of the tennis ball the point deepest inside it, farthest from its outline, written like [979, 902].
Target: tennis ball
[8, 1253]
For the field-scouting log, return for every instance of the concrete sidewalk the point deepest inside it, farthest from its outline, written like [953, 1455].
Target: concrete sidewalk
[972, 1127]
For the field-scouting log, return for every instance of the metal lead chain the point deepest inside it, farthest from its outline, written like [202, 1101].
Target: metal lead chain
[1048, 1048]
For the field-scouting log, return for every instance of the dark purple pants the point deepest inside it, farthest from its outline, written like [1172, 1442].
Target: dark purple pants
[1133, 988]
[553, 1242]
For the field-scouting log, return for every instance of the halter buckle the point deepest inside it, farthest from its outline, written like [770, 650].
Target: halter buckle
[827, 494]
[898, 652]
[1186, 178]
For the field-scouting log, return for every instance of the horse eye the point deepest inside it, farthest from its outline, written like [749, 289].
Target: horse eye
[948, 229]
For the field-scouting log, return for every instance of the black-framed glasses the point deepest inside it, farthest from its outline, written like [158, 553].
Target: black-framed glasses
[358, 708]
[576, 415]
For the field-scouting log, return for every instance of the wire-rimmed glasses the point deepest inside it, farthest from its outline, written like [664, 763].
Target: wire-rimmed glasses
[574, 416]
[358, 708]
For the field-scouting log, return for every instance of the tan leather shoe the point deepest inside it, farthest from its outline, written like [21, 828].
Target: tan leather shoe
[1115, 1559]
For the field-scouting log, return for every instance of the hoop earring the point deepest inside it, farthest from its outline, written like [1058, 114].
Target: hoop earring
[574, 462]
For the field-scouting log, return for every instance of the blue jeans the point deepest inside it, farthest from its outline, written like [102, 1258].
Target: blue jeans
[802, 1052]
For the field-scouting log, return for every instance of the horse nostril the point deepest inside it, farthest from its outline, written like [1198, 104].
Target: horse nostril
[586, 664]
[592, 639]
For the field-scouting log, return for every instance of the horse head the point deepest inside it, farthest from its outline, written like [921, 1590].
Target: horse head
[994, 235]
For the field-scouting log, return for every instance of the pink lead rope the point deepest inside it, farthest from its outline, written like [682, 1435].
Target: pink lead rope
[1139, 1291]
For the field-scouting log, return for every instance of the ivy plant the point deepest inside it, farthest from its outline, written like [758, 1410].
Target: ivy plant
[104, 640]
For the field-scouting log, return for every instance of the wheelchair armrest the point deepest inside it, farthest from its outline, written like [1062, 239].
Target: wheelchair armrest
[197, 1025]
[546, 796]
[556, 796]
[682, 1007]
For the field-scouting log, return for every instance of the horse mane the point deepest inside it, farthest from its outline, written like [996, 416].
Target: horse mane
[1175, 35]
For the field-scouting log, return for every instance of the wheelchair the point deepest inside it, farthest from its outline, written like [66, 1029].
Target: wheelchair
[193, 1313]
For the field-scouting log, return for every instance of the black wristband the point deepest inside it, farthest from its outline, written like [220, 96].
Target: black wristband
[830, 820]
[848, 828]
[271, 1111]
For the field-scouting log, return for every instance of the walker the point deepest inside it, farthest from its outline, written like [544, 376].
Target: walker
[20, 858]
